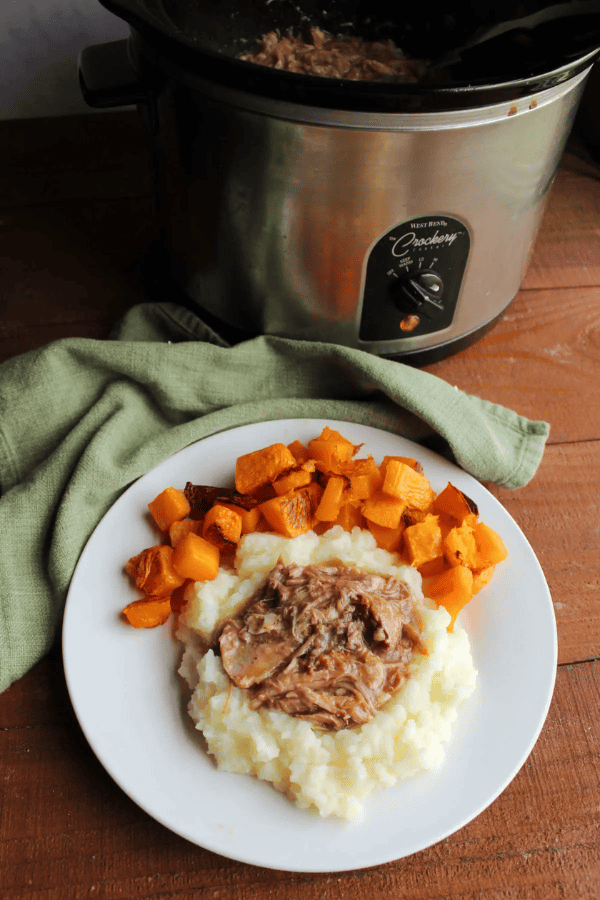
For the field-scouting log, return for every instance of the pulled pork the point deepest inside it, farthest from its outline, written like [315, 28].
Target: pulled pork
[329, 644]
[336, 57]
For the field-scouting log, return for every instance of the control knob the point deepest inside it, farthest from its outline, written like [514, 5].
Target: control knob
[418, 296]
[421, 292]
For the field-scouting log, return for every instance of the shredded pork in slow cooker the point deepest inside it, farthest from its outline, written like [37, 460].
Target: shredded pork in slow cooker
[336, 57]
[326, 643]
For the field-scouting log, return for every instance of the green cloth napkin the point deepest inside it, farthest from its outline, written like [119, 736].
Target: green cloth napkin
[81, 419]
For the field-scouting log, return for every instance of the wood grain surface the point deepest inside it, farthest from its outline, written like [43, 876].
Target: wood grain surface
[77, 218]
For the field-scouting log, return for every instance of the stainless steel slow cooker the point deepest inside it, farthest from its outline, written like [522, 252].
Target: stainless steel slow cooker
[397, 218]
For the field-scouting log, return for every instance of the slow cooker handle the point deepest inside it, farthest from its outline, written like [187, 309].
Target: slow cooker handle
[107, 77]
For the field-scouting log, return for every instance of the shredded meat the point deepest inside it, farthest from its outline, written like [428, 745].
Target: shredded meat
[337, 57]
[328, 643]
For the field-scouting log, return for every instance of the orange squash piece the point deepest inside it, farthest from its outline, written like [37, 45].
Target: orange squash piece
[148, 613]
[153, 571]
[261, 467]
[404, 483]
[291, 514]
[250, 517]
[387, 538]
[294, 479]
[412, 516]
[315, 492]
[490, 546]
[222, 525]
[452, 502]
[169, 506]
[405, 459]
[347, 448]
[299, 451]
[331, 502]
[433, 567]
[422, 542]
[365, 478]
[196, 558]
[330, 450]
[326, 456]
[179, 529]
[452, 590]
[350, 517]
[460, 547]
[383, 510]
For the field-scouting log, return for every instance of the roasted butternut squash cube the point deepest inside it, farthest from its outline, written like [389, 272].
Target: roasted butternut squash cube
[422, 542]
[460, 547]
[365, 478]
[196, 558]
[153, 571]
[433, 567]
[330, 451]
[291, 514]
[350, 517]
[299, 451]
[452, 590]
[148, 613]
[260, 467]
[405, 459]
[387, 538]
[170, 506]
[331, 502]
[454, 503]
[315, 492]
[383, 510]
[295, 478]
[250, 517]
[490, 546]
[222, 525]
[404, 483]
[347, 448]
[179, 529]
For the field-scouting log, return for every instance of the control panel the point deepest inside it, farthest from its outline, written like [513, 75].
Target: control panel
[413, 278]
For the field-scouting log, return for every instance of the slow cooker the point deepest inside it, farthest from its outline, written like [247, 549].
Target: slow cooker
[393, 217]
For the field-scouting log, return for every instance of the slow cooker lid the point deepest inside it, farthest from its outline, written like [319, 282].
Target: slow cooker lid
[480, 54]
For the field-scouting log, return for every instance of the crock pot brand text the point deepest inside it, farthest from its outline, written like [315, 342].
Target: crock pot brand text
[411, 241]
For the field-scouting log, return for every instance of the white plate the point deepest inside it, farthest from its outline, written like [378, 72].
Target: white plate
[132, 706]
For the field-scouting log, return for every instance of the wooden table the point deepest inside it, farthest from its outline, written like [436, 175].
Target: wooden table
[77, 217]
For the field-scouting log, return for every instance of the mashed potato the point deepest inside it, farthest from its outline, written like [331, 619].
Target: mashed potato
[332, 772]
